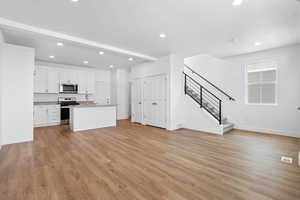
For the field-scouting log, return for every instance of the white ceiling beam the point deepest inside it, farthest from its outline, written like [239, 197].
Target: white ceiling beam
[5, 23]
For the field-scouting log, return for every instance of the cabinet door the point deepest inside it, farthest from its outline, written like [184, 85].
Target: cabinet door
[40, 115]
[82, 78]
[53, 114]
[90, 82]
[40, 80]
[68, 76]
[102, 92]
[53, 80]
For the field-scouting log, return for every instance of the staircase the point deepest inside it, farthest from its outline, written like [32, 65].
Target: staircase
[207, 100]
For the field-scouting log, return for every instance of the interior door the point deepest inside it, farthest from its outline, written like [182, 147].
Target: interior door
[137, 101]
[159, 101]
[154, 101]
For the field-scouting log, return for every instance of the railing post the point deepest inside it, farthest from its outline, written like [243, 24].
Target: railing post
[220, 112]
[201, 105]
[184, 83]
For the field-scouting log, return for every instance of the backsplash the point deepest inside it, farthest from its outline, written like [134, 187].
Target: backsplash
[54, 97]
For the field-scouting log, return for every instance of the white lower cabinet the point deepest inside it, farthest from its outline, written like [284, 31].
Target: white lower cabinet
[46, 115]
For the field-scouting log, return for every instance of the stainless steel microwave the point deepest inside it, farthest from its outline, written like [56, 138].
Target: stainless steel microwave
[68, 88]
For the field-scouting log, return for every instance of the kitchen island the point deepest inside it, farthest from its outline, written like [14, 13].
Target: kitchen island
[93, 116]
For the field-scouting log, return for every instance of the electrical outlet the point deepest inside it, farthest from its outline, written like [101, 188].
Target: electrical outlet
[285, 159]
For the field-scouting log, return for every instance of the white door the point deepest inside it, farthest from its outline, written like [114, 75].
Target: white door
[154, 101]
[41, 80]
[159, 101]
[53, 80]
[137, 101]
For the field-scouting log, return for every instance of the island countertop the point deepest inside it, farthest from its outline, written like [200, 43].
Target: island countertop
[92, 105]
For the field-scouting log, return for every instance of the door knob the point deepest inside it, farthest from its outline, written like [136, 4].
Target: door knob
[154, 103]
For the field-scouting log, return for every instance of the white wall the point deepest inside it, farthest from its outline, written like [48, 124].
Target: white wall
[16, 94]
[2, 39]
[229, 75]
[1, 53]
[159, 67]
[176, 92]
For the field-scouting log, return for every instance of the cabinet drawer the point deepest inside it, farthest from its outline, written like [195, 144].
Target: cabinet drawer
[53, 107]
[51, 111]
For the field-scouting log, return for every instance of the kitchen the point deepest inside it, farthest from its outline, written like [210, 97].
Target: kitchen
[62, 91]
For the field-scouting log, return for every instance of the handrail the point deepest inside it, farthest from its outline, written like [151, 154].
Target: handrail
[201, 92]
[202, 87]
[194, 72]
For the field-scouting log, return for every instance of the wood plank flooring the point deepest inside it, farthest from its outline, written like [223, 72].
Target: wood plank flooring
[133, 162]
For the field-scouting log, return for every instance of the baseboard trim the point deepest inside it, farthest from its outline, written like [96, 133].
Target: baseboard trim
[20, 141]
[208, 131]
[268, 131]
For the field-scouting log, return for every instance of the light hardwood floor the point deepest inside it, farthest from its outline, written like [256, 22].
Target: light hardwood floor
[140, 162]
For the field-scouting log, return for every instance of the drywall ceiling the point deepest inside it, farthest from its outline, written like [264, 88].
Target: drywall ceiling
[192, 26]
[71, 53]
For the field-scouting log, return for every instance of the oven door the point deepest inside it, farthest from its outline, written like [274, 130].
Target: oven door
[69, 88]
[65, 115]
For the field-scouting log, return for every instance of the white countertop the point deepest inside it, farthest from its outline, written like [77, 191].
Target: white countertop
[92, 105]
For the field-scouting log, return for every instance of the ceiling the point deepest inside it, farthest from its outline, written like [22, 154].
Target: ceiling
[192, 26]
[70, 53]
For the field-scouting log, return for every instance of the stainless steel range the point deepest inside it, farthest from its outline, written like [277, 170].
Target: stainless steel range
[65, 103]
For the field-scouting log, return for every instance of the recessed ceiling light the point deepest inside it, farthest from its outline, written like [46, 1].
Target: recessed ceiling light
[86, 62]
[237, 2]
[130, 59]
[111, 66]
[162, 35]
[74, 0]
[257, 43]
[60, 44]
[51, 57]
[101, 52]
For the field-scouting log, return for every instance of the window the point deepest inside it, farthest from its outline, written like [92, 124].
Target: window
[261, 85]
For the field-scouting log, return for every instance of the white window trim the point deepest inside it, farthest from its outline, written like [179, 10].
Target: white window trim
[274, 67]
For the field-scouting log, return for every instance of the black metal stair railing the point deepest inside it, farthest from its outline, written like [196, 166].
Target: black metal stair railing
[210, 83]
[206, 99]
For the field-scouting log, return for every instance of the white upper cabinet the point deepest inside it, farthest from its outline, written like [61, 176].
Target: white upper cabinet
[46, 80]
[82, 82]
[68, 76]
[40, 80]
[86, 82]
[91, 83]
[53, 80]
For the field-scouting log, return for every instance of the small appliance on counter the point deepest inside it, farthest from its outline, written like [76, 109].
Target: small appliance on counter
[65, 103]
